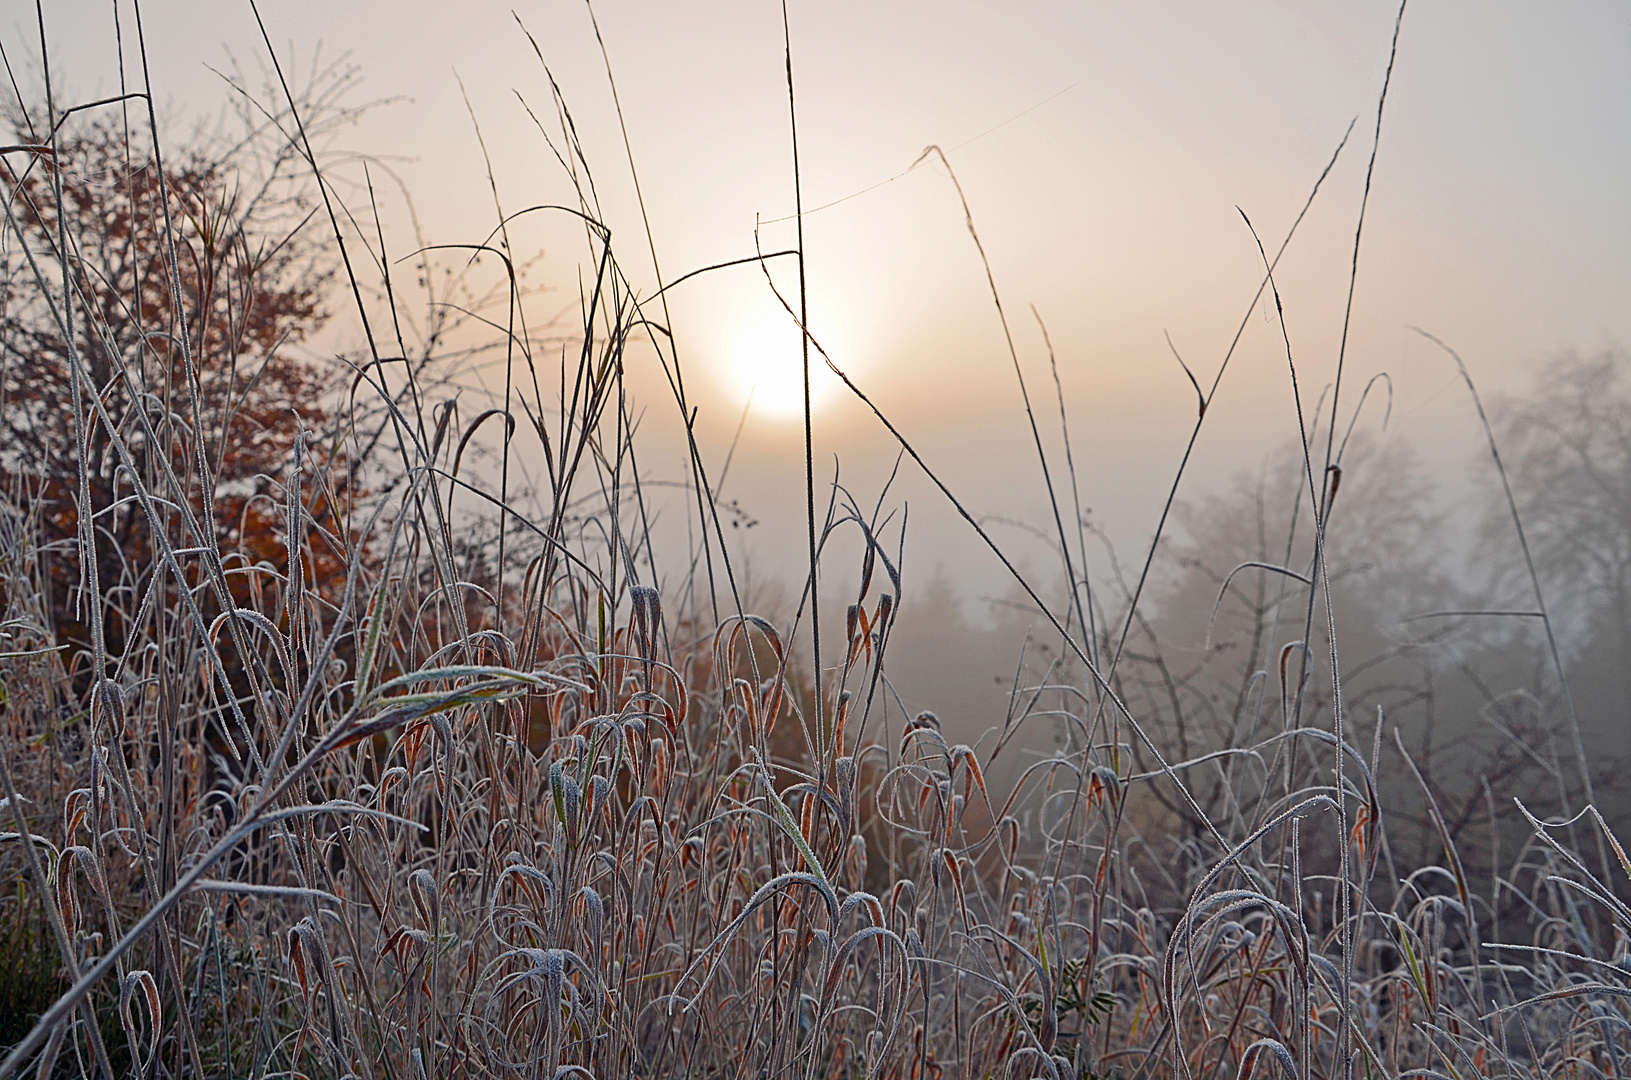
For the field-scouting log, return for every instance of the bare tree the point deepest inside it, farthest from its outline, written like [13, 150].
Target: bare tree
[1567, 447]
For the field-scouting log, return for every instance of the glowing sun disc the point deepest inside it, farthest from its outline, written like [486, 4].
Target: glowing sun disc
[766, 363]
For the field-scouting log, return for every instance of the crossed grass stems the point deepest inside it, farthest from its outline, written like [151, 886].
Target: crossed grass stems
[551, 822]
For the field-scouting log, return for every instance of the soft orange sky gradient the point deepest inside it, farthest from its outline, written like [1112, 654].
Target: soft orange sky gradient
[1103, 148]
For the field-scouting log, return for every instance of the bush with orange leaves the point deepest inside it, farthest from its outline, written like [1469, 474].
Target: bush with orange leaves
[150, 310]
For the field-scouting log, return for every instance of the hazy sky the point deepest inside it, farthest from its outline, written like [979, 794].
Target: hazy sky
[1104, 150]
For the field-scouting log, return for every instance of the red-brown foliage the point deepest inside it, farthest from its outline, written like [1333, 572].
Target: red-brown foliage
[190, 363]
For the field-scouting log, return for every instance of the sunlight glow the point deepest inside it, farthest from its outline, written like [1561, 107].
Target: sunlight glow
[765, 362]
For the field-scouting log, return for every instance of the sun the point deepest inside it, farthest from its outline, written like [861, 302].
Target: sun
[766, 366]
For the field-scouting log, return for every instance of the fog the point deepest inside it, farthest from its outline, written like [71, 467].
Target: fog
[1111, 158]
